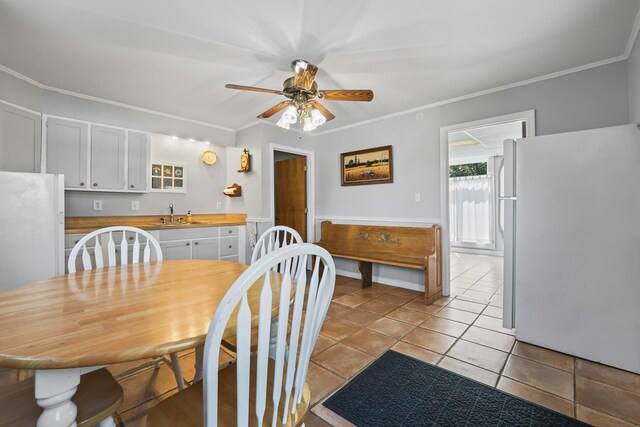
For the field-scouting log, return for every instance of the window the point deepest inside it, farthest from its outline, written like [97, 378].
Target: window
[469, 169]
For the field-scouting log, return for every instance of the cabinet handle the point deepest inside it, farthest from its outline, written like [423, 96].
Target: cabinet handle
[188, 244]
[132, 186]
[230, 246]
[95, 184]
[82, 184]
[230, 231]
[195, 243]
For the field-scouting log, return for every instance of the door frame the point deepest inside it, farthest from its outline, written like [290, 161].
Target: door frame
[527, 116]
[310, 175]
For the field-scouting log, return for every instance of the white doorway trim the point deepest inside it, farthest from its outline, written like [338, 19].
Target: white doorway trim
[528, 116]
[311, 184]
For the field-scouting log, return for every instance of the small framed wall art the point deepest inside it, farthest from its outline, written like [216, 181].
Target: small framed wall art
[370, 166]
[168, 177]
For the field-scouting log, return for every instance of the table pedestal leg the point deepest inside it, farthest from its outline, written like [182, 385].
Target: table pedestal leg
[54, 390]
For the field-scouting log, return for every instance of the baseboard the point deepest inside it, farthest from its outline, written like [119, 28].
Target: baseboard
[384, 280]
[488, 252]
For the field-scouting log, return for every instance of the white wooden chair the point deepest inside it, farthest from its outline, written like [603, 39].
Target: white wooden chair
[105, 249]
[270, 386]
[274, 238]
[105, 253]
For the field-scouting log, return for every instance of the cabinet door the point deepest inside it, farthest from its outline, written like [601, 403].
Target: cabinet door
[205, 249]
[67, 146]
[20, 140]
[176, 250]
[138, 161]
[107, 158]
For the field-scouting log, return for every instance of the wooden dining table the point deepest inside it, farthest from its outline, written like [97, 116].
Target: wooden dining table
[74, 324]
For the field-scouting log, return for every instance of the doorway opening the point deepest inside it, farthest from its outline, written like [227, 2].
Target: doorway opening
[292, 189]
[472, 165]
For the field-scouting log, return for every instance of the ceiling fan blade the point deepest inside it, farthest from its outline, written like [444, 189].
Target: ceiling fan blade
[306, 76]
[347, 95]
[253, 89]
[271, 111]
[326, 113]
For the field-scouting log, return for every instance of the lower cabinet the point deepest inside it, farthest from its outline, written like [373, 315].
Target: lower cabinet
[222, 243]
[205, 249]
[176, 250]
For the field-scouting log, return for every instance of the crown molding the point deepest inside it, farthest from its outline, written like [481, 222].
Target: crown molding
[633, 37]
[108, 101]
[481, 93]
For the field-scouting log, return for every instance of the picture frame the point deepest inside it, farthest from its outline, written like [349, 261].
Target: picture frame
[369, 166]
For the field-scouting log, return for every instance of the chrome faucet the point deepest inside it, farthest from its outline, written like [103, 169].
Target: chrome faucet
[171, 212]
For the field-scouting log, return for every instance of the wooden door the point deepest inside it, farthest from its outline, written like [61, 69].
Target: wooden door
[291, 194]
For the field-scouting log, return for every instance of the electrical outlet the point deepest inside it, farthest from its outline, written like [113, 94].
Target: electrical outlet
[135, 205]
[219, 205]
[420, 115]
[416, 197]
[97, 205]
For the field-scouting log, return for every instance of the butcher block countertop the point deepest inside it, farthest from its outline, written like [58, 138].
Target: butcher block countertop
[87, 224]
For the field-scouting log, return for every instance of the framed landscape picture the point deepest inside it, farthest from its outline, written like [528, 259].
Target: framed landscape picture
[371, 166]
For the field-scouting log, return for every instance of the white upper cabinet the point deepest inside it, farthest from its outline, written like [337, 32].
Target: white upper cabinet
[20, 140]
[97, 158]
[67, 150]
[107, 158]
[138, 161]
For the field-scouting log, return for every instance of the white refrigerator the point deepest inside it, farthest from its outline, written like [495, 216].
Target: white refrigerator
[31, 228]
[572, 243]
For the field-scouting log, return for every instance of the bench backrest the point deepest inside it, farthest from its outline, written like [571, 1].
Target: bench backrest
[408, 245]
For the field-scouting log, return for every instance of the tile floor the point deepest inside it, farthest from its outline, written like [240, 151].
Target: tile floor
[462, 333]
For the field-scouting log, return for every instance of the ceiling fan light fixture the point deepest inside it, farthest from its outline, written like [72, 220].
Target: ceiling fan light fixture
[282, 123]
[317, 118]
[299, 64]
[308, 125]
[290, 115]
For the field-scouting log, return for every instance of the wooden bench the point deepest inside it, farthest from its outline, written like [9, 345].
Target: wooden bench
[411, 247]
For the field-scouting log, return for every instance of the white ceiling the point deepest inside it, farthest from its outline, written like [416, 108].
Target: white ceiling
[175, 56]
[489, 139]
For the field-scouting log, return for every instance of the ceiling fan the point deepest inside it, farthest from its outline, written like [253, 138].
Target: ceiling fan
[303, 98]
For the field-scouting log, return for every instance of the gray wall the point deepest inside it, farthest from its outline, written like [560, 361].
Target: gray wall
[588, 99]
[204, 185]
[633, 71]
[258, 140]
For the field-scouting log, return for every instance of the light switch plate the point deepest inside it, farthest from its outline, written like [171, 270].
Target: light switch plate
[97, 205]
[416, 197]
[135, 205]
[219, 205]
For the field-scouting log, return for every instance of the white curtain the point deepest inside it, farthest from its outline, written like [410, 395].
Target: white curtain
[470, 210]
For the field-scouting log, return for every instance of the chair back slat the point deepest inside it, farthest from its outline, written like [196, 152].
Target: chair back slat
[294, 336]
[274, 238]
[111, 250]
[282, 379]
[97, 254]
[124, 249]
[243, 361]
[105, 252]
[135, 258]
[264, 331]
[86, 258]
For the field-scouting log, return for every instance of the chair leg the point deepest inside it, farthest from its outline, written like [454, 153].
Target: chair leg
[110, 422]
[198, 364]
[177, 371]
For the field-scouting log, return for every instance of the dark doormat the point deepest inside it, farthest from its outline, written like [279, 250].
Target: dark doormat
[398, 390]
